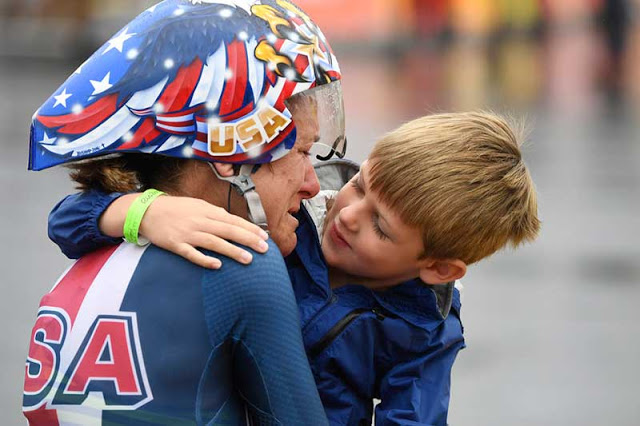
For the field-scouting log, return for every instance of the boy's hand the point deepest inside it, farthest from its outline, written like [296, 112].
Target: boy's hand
[180, 224]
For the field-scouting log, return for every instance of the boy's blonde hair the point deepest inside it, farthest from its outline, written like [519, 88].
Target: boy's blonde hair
[461, 180]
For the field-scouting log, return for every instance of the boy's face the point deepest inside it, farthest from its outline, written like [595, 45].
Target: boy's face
[365, 238]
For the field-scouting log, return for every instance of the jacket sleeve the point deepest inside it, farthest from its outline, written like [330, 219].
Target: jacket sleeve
[73, 223]
[343, 404]
[416, 392]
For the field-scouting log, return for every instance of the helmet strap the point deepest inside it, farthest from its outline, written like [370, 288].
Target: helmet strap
[244, 185]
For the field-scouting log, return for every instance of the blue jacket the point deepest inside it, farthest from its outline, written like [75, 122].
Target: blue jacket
[397, 346]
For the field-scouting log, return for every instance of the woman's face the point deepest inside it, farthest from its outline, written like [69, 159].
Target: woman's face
[289, 180]
[363, 237]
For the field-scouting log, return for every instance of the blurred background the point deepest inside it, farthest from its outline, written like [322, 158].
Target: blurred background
[551, 328]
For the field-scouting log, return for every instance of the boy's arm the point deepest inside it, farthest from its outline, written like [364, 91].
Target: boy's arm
[417, 391]
[84, 222]
[73, 223]
[343, 404]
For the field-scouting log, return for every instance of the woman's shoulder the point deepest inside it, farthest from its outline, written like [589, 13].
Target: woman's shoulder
[268, 266]
[271, 260]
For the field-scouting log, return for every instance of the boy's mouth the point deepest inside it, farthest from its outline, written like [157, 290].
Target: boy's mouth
[337, 237]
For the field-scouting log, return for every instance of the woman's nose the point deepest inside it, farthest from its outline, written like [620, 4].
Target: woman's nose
[310, 185]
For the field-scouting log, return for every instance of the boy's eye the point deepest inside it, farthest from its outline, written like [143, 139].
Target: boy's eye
[376, 227]
[356, 185]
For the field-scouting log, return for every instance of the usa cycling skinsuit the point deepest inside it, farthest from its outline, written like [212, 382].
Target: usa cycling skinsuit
[138, 336]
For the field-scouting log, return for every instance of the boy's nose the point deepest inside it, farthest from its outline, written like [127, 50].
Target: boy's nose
[348, 217]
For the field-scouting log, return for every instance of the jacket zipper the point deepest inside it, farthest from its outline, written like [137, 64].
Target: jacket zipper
[338, 328]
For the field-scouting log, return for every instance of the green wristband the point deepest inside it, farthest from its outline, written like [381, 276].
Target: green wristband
[136, 213]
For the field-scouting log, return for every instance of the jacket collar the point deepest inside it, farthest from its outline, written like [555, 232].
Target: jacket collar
[420, 304]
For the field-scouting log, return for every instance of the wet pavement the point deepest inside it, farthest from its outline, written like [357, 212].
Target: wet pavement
[550, 328]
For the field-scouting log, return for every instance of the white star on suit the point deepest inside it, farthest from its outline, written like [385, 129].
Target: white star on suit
[118, 41]
[61, 99]
[102, 85]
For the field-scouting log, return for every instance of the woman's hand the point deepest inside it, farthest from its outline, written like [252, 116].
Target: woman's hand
[181, 224]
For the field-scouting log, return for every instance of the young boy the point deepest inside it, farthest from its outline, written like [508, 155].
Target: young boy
[437, 194]
[379, 311]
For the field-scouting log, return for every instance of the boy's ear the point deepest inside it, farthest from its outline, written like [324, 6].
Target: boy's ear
[442, 271]
[224, 169]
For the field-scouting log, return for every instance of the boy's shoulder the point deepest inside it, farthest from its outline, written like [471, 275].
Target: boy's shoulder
[430, 318]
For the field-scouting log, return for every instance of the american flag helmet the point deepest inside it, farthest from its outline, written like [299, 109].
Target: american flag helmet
[197, 79]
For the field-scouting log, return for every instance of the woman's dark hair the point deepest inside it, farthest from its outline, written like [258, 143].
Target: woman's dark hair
[128, 172]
